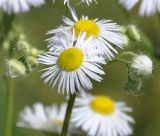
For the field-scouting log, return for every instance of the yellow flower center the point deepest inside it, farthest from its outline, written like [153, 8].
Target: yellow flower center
[102, 105]
[57, 122]
[88, 26]
[70, 59]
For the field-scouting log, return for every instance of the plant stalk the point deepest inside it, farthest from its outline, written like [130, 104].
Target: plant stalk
[9, 106]
[68, 115]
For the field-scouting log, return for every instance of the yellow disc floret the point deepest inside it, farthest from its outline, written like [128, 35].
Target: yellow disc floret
[57, 122]
[88, 26]
[70, 59]
[102, 105]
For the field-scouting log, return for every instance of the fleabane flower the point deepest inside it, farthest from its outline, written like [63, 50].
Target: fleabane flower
[101, 116]
[142, 65]
[72, 64]
[17, 6]
[105, 32]
[88, 2]
[43, 118]
[147, 7]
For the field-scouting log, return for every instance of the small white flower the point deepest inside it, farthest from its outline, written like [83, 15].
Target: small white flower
[105, 32]
[16, 6]
[147, 7]
[101, 116]
[142, 65]
[48, 119]
[72, 64]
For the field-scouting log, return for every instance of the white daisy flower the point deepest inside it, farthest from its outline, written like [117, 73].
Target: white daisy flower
[39, 117]
[72, 64]
[88, 2]
[101, 116]
[142, 65]
[105, 32]
[147, 7]
[16, 6]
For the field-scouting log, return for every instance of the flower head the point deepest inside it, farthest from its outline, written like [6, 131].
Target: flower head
[49, 119]
[16, 6]
[72, 64]
[100, 115]
[105, 32]
[147, 7]
[142, 65]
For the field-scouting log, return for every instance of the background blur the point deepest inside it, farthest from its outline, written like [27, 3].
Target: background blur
[30, 89]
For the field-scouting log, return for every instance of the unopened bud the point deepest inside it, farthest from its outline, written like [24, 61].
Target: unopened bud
[24, 47]
[142, 65]
[133, 33]
[123, 29]
[15, 68]
[32, 61]
[34, 52]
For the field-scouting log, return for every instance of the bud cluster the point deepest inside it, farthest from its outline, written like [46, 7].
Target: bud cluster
[140, 68]
[22, 56]
[132, 33]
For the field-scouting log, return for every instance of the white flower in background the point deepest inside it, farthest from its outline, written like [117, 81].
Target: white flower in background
[142, 65]
[105, 32]
[39, 117]
[88, 2]
[101, 116]
[147, 7]
[16, 6]
[71, 66]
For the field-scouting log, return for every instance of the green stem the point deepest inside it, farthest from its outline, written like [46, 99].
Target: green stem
[68, 115]
[124, 57]
[2, 105]
[9, 106]
[6, 26]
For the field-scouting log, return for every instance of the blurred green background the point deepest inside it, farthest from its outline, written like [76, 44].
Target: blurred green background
[30, 89]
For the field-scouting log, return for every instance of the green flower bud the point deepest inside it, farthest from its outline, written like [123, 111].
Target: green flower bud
[133, 33]
[15, 68]
[32, 61]
[34, 52]
[24, 47]
[123, 29]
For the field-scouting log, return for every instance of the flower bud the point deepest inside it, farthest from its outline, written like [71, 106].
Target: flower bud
[142, 65]
[24, 47]
[133, 33]
[123, 29]
[34, 52]
[32, 61]
[15, 68]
